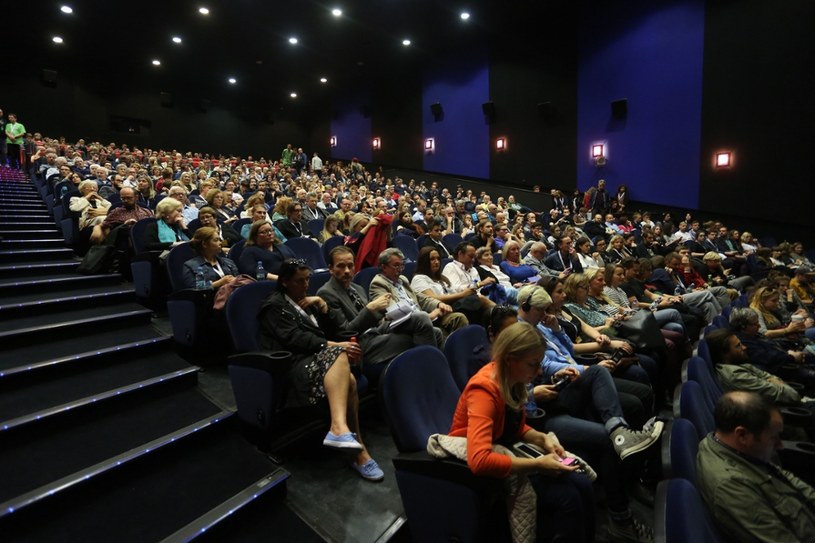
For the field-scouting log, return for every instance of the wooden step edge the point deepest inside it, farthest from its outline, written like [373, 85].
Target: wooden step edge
[224, 510]
[33, 496]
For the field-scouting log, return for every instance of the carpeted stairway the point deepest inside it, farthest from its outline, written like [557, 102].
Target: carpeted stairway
[104, 435]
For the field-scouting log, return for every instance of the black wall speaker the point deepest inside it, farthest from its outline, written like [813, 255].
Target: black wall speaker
[619, 108]
[437, 110]
[489, 111]
[49, 78]
[166, 99]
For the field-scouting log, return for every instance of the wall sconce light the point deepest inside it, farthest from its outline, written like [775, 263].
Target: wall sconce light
[501, 144]
[333, 141]
[376, 143]
[723, 159]
[429, 145]
[597, 150]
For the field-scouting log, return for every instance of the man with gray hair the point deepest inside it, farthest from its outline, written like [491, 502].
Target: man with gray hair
[390, 280]
[534, 258]
[749, 496]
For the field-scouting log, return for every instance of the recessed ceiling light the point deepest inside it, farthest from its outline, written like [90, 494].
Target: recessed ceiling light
[232, 80]
[405, 42]
[176, 39]
[323, 80]
[203, 11]
[57, 39]
[156, 62]
[464, 15]
[336, 12]
[66, 9]
[293, 95]
[293, 40]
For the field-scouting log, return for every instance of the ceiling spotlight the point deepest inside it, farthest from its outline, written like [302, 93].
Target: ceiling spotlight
[176, 39]
[66, 9]
[336, 12]
[323, 80]
[293, 95]
[464, 15]
[232, 80]
[203, 11]
[405, 42]
[293, 40]
[57, 39]
[156, 62]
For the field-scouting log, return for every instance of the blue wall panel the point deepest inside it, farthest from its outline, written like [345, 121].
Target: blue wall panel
[351, 126]
[652, 56]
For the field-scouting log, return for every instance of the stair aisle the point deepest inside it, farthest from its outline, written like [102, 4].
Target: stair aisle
[104, 433]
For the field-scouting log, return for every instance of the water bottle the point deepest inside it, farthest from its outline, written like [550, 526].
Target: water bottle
[531, 406]
[353, 357]
[200, 279]
[260, 275]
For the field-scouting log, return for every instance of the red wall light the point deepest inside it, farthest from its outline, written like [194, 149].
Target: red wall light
[501, 144]
[376, 143]
[597, 150]
[723, 159]
[333, 141]
[429, 145]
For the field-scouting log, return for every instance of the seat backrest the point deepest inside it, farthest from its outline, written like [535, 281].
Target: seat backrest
[364, 276]
[309, 250]
[238, 225]
[315, 226]
[235, 251]
[408, 246]
[242, 309]
[465, 350]
[318, 279]
[694, 407]
[329, 244]
[450, 241]
[720, 321]
[175, 265]
[419, 397]
[137, 235]
[679, 451]
[193, 225]
[703, 351]
[702, 372]
[681, 515]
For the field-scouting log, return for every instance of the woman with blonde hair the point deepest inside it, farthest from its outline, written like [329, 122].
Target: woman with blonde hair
[765, 302]
[279, 210]
[490, 413]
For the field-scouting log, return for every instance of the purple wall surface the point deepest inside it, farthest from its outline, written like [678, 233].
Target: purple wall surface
[351, 126]
[462, 136]
[651, 56]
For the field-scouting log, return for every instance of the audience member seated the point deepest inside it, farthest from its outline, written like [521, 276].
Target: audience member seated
[587, 258]
[736, 372]
[189, 212]
[91, 207]
[488, 270]
[331, 227]
[749, 496]
[563, 258]
[535, 258]
[490, 413]
[667, 281]
[320, 366]
[217, 201]
[126, 215]
[802, 285]
[462, 273]
[719, 276]
[390, 280]
[765, 301]
[511, 264]
[435, 233]
[291, 227]
[263, 246]
[169, 230]
[227, 234]
[218, 269]
[430, 281]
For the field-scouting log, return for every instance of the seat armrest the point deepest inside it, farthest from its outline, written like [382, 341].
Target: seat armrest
[270, 361]
[453, 470]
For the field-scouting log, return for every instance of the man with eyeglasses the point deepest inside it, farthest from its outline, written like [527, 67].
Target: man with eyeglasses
[291, 227]
[564, 259]
[390, 280]
[188, 211]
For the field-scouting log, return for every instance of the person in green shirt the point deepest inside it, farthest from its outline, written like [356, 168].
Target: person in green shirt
[287, 156]
[14, 139]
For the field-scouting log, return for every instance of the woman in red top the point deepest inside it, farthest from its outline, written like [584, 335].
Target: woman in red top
[490, 411]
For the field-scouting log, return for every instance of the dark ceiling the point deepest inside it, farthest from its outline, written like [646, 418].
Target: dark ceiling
[115, 41]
